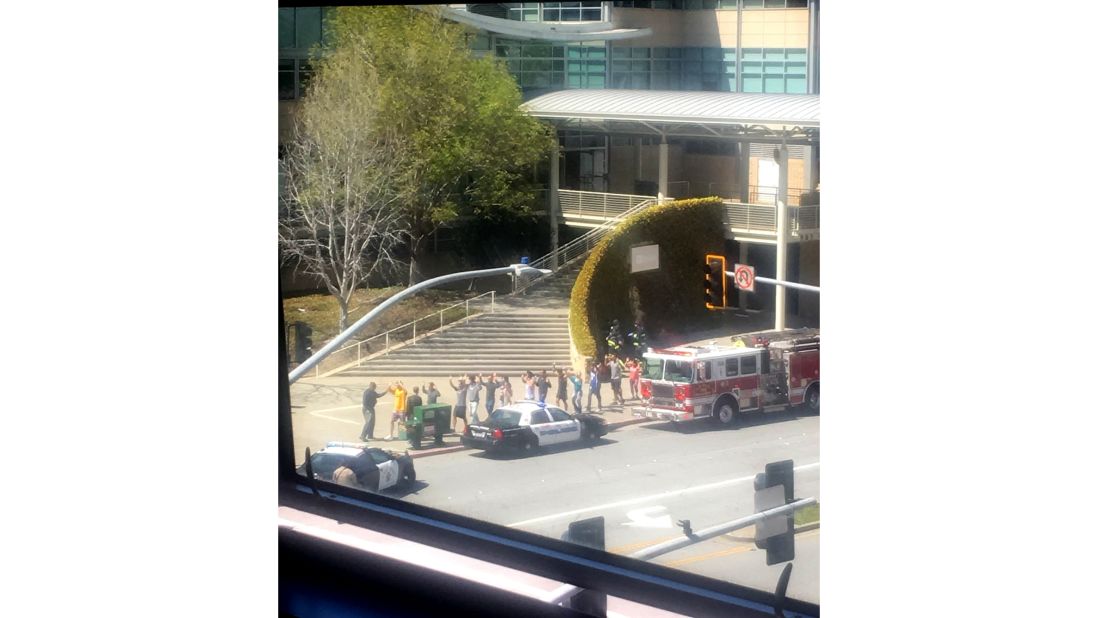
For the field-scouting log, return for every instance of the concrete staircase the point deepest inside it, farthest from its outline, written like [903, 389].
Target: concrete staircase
[527, 331]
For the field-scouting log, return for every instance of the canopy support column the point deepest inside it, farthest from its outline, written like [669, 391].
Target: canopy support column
[554, 202]
[782, 215]
[744, 174]
[663, 168]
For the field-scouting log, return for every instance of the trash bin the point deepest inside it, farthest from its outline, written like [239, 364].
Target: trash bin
[430, 421]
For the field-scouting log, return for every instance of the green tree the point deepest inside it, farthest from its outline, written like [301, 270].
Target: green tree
[469, 147]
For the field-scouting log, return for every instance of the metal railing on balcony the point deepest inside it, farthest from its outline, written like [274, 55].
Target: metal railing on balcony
[597, 206]
[762, 218]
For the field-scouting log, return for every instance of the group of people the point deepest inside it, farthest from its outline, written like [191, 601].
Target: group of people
[473, 389]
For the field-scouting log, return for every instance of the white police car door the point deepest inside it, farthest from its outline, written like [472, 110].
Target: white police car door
[566, 429]
[388, 468]
[542, 426]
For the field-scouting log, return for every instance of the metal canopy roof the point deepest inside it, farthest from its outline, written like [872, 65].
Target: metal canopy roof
[760, 117]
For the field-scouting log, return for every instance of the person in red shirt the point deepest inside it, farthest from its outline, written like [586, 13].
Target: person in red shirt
[634, 378]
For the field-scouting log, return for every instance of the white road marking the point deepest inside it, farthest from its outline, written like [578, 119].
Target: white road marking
[645, 517]
[320, 413]
[667, 494]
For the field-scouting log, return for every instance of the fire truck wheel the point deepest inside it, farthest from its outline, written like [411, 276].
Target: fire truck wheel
[725, 412]
[812, 400]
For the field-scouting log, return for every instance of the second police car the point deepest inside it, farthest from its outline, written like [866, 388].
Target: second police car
[528, 425]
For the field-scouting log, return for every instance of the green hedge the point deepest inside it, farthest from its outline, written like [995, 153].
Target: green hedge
[685, 231]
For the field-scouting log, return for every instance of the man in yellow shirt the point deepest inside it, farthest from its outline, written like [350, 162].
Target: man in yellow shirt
[400, 399]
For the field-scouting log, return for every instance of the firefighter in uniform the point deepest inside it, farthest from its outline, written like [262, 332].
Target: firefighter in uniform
[639, 339]
[613, 339]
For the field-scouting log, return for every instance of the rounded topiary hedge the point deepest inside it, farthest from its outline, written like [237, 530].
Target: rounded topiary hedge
[685, 231]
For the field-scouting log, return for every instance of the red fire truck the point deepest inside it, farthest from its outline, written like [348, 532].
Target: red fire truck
[689, 382]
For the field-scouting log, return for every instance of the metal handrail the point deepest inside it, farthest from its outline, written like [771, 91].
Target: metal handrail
[577, 247]
[763, 217]
[389, 344]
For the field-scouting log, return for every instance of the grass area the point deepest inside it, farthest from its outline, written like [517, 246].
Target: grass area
[806, 515]
[321, 311]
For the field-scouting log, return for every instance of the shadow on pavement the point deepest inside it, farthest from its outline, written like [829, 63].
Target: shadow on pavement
[507, 455]
[704, 425]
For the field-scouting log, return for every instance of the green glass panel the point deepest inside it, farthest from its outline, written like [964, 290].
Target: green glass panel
[752, 83]
[640, 81]
[575, 52]
[796, 84]
[575, 80]
[674, 52]
[795, 67]
[558, 51]
[643, 66]
[660, 81]
[620, 52]
[659, 52]
[691, 53]
[661, 65]
[596, 81]
[596, 52]
[752, 67]
[711, 53]
[709, 4]
[711, 67]
[774, 68]
[728, 4]
[729, 68]
[597, 66]
[774, 84]
[575, 66]
[691, 67]
[729, 54]
[774, 54]
[640, 52]
[514, 66]
[286, 28]
[728, 84]
[558, 65]
[752, 53]
[620, 66]
[796, 54]
[774, 4]
[619, 80]
[752, 4]
[308, 27]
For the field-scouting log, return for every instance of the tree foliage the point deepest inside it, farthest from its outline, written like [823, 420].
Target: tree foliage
[470, 147]
[341, 219]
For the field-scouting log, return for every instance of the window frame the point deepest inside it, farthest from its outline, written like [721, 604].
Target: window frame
[642, 582]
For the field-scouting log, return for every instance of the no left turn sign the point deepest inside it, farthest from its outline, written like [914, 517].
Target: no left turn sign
[744, 276]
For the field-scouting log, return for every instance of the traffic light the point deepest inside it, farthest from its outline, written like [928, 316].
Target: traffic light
[303, 341]
[715, 294]
[774, 488]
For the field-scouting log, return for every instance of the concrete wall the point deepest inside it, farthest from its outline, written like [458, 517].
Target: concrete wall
[775, 28]
[715, 28]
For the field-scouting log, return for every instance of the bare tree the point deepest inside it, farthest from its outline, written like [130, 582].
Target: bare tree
[341, 218]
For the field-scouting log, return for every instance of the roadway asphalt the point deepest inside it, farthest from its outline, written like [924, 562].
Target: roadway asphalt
[642, 478]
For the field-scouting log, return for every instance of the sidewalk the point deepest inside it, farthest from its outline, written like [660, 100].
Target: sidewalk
[341, 396]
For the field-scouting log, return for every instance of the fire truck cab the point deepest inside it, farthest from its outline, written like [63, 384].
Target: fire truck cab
[689, 382]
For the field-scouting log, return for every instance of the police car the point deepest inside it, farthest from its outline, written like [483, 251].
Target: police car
[374, 468]
[529, 425]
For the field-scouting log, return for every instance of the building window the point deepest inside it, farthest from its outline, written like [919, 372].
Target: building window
[525, 11]
[775, 4]
[571, 11]
[293, 78]
[775, 70]
[302, 28]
